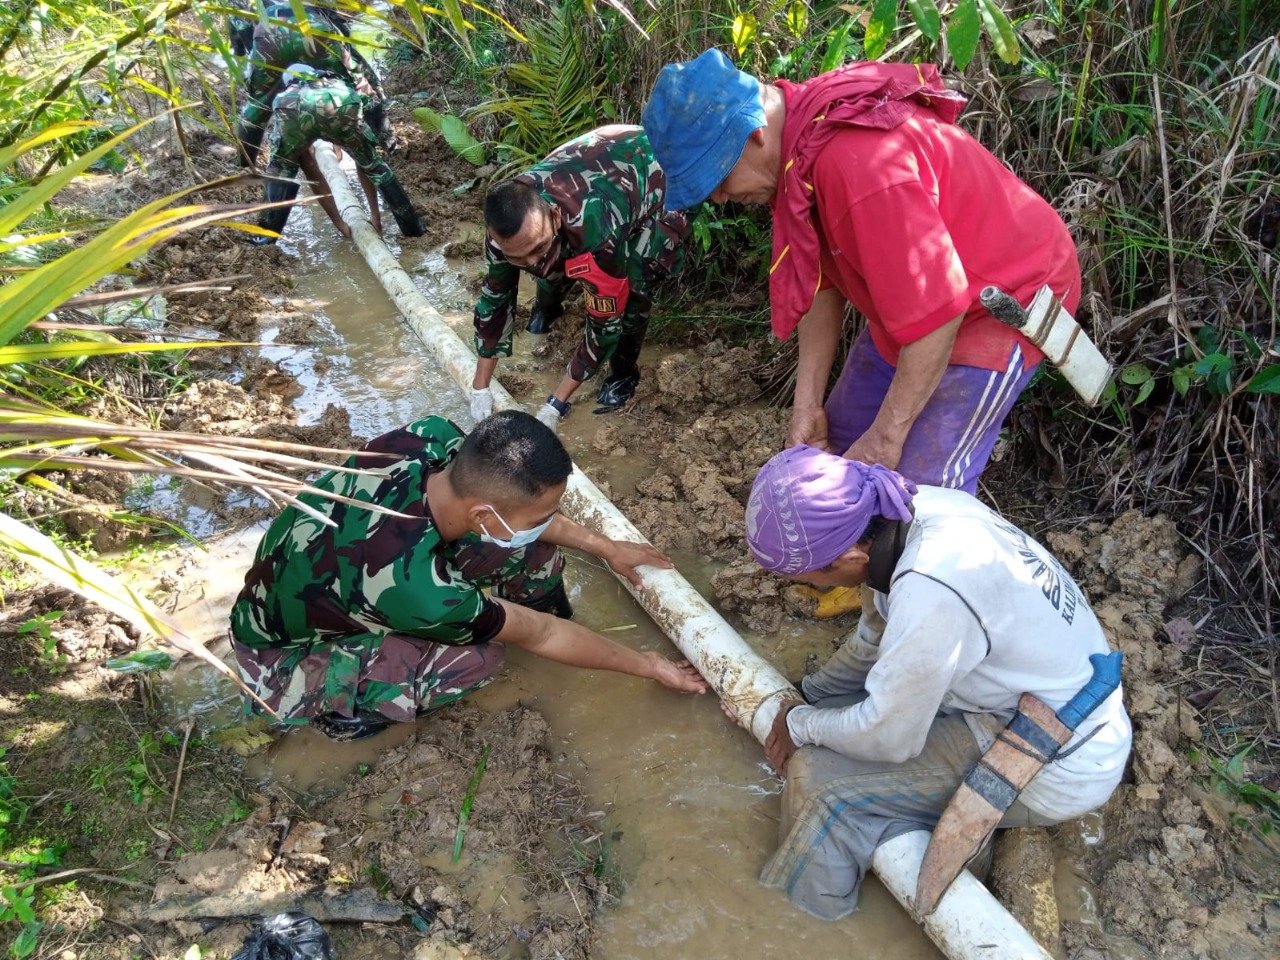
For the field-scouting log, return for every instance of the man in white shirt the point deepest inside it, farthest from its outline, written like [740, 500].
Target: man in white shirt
[969, 614]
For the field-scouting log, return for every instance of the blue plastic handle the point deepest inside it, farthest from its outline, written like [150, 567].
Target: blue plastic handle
[1105, 679]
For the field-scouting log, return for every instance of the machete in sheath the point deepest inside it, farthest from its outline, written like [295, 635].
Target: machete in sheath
[1033, 738]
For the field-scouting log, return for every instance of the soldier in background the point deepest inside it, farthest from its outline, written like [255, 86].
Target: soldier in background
[272, 46]
[315, 106]
[591, 212]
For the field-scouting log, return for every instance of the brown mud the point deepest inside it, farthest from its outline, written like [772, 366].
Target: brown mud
[1164, 870]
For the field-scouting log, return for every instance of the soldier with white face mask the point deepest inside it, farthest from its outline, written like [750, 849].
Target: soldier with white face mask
[382, 617]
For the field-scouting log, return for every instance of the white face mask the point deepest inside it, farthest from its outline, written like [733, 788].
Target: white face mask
[519, 538]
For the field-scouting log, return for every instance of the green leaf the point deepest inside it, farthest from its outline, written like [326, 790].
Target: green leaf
[798, 18]
[141, 661]
[1000, 31]
[1266, 380]
[1144, 391]
[1251, 346]
[460, 24]
[458, 137]
[1181, 377]
[745, 29]
[1234, 770]
[454, 132]
[925, 13]
[464, 815]
[1212, 364]
[1135, 374]
[837, 40]
[880, 28]
[962, 32]
[428, 119]
[25, 942]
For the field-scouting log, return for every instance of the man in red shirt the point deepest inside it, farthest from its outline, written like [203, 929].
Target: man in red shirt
[881, 201]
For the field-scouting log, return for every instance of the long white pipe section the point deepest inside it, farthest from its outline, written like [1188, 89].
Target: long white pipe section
[969, 922]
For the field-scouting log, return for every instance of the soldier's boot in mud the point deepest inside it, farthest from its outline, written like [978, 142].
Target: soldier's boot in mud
[544, 314]
[277, 191]
[814, 604]
[555, 602]
[249, 141]
[344, 729]
[624, 373]
[397, 202]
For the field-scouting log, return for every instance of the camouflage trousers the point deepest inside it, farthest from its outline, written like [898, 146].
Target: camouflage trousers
[322, 110]
[654, 253]
[391, 674]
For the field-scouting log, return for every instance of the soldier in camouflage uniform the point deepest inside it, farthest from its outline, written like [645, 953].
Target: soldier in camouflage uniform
[381, 618]
[591, 212]
[272, 46]
[312, 107]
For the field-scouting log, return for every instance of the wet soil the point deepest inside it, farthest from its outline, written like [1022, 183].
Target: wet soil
[1176, 865]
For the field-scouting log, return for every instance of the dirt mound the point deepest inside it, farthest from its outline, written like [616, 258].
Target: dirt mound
[530, 873]
[445, 189]
[714, 374]
[1174, 873]
[752, 593]
[695, 498]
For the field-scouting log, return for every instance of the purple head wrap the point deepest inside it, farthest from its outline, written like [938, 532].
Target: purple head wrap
[808, 506]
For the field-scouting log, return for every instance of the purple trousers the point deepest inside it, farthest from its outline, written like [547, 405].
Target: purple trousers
[950, 443]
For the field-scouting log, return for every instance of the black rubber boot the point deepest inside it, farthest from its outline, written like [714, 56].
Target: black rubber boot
[397, 202]
[624, 374]
[343, 729]
[249, 140]
[275, 191]
[543, 315]
[376, 116]
[556, 602]
[616, 391]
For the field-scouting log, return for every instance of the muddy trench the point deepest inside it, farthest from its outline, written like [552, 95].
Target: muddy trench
[614, 819]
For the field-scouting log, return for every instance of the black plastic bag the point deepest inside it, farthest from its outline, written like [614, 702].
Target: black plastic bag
[287, 936]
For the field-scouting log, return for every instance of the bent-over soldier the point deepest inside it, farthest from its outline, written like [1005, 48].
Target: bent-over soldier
[273, 45]
[317, 106]
[590, 213]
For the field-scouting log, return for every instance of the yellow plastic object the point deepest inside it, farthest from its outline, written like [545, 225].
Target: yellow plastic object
[806, 601]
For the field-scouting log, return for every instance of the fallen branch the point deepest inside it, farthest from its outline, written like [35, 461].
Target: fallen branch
[359, 906]
[177, 780]
[68, 874]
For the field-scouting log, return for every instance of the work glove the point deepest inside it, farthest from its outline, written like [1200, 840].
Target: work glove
[548, 416]
[481, 404]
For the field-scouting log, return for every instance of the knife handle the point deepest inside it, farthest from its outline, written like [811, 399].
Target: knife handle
[1105, 679]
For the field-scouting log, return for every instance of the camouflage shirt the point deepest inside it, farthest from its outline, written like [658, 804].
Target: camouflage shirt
[609, 190]
[372, 572]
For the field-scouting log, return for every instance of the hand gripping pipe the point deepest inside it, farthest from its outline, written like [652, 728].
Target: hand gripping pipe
[969, 922]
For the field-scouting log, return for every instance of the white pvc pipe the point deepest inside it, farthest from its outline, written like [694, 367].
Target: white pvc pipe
[969, 922]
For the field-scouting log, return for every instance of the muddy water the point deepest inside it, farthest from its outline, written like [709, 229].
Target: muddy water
[690, 807]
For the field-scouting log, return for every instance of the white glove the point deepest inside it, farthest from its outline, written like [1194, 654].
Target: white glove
[549, 416]
[481, 404]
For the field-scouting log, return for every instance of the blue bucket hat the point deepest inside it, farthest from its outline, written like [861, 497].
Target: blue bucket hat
[698, 120]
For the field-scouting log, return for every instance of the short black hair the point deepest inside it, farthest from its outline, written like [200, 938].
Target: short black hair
[874, 527]
[507, 206]
[509, 455]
